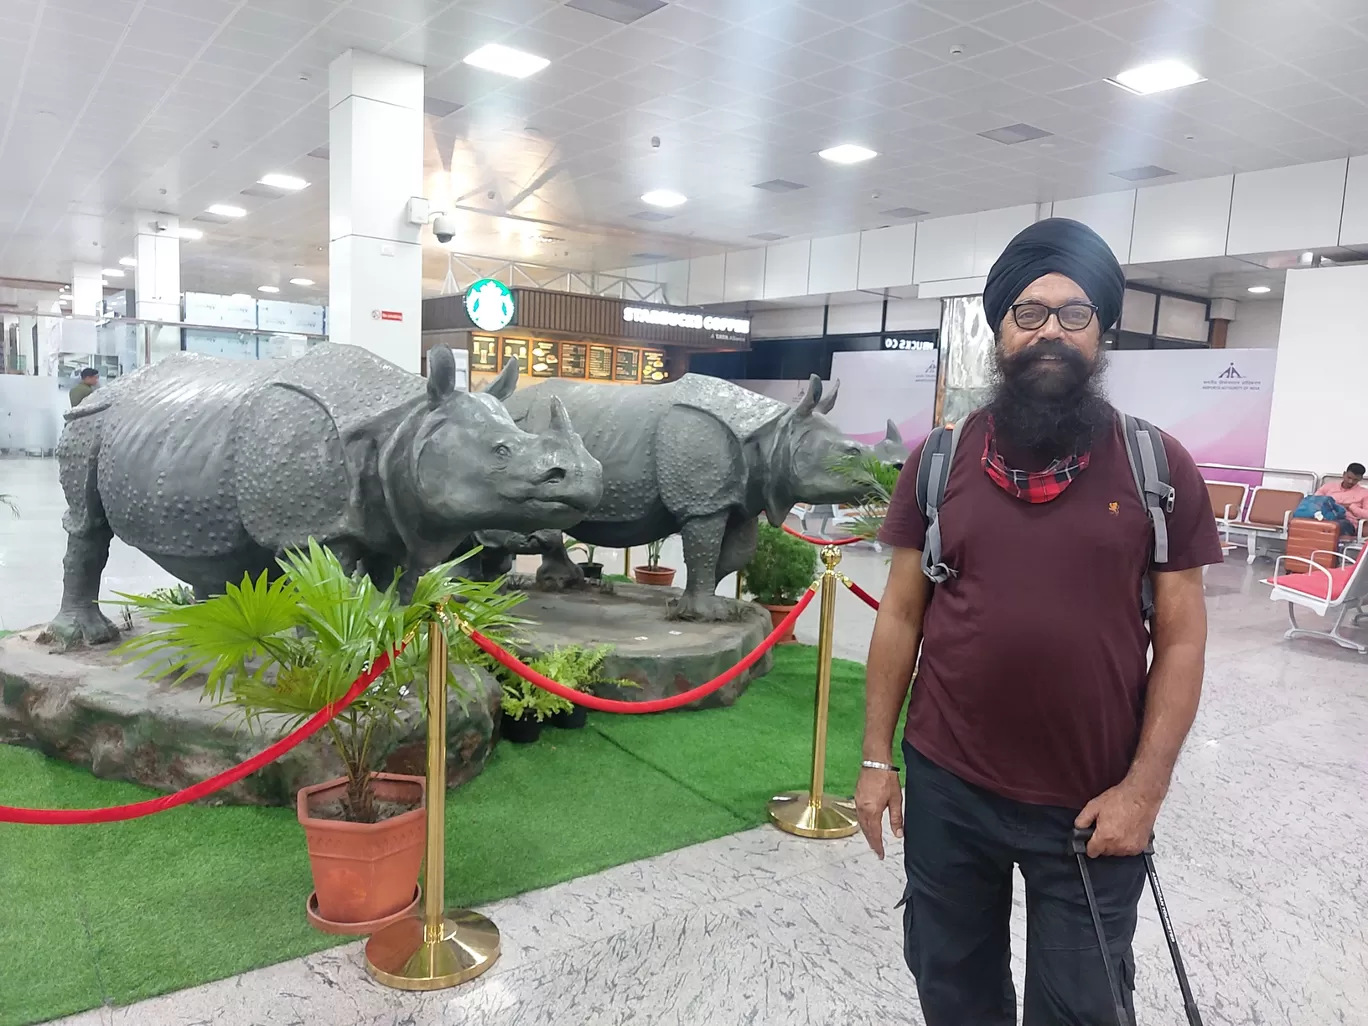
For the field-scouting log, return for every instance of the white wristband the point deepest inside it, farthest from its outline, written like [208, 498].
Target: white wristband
[871, 764]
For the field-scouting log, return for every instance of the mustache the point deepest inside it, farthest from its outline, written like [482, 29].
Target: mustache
[1048, 350]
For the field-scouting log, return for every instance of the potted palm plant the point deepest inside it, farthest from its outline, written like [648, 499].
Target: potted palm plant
[653, 572]
[880, 479]
[593, 570]
[277, 652]
[782, 568]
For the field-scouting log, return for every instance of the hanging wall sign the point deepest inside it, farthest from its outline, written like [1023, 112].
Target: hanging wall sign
[489, 304]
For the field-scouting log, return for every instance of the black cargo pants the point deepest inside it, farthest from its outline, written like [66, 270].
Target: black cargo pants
[961, 845]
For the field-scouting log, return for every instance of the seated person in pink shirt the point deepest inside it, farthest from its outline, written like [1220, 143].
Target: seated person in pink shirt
[1349, 493]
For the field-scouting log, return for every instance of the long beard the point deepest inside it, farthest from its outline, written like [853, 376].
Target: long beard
[1047, 399]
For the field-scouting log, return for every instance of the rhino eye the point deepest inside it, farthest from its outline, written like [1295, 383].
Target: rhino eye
[502, 451]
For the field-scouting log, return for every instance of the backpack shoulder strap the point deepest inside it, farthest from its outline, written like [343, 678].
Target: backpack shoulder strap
[933, 473]
[1150, 470]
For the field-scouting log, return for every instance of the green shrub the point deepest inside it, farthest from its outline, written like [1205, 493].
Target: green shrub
[782, 569]
[575, 666]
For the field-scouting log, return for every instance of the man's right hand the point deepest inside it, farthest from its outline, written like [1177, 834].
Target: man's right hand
[876, 792]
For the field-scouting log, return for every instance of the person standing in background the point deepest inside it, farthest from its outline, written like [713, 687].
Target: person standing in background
[90, 380]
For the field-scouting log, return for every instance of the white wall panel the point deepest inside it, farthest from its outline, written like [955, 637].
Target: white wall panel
[855, 318]
[745, 276]
[675, 277]
[993, 229]
[786, 269]
[951, 287]
[706, 276]
[1287, 208]
[1354, 226]
[834, 263]
[1181, 221]
[886, 256]
[945, 248]
[1256, 325]
[789, 322]
[1111, 215]
[914, 314]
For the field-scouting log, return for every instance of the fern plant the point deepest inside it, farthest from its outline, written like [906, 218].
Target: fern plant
[575, 666]
[292, 645]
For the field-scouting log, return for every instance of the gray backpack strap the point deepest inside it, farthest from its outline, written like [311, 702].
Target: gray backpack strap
[933, 473]
[1150, 469]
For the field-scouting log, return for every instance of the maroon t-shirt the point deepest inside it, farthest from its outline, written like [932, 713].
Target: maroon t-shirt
[1034, 659]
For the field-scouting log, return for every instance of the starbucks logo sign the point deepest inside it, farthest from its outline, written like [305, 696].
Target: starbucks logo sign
[489, 304]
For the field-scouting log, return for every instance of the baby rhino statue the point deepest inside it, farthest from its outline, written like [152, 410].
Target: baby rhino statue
[215, 467]
[699, 456]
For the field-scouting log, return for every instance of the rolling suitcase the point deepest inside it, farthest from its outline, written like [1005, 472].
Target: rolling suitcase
[1079, 847]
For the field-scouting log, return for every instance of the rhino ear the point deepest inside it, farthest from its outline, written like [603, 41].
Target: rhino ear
[811, 398]
[829, 400]
[894, 435]
[506, 383]
[441, 375]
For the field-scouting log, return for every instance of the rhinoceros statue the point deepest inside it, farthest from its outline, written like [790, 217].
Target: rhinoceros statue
[892, 450]
[213, 468]
[699, 456]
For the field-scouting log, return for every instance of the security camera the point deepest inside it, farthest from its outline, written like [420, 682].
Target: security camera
[444, 227]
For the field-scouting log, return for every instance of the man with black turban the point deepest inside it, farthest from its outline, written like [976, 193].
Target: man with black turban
[1034, 710]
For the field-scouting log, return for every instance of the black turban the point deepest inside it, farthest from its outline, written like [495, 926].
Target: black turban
[1056, 245]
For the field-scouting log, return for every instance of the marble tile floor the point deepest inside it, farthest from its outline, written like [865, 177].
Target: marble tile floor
[1263, 850]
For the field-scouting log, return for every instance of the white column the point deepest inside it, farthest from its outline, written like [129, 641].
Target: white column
[375, 259]
[156, 282]
[87, 293]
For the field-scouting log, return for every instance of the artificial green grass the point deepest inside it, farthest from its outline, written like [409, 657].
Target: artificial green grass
[119, 912]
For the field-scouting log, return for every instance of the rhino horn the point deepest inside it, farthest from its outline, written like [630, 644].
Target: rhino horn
[893, 435]
[560, 419]
[811, 398]
[441, 375]
[506, 383]
[829, 399]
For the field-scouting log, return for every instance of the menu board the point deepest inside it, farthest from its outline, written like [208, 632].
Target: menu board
[572, 359]
[628, 365]
[652, 365]
[515, 349]
[544, 359]
[601, 362]
[484, 353]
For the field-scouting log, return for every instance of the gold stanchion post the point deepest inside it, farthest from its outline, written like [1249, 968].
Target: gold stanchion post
[627, 561]
[438, 949]
[812, 813]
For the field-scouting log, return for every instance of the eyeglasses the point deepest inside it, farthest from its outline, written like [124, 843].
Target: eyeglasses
[1072, 316]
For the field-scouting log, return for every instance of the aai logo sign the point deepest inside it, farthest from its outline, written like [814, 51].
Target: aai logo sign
[489, 304]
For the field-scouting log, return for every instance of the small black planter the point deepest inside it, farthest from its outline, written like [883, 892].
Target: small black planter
[592, 571]
[521, 731]
[572, 720]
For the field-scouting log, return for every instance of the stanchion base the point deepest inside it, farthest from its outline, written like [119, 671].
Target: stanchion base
[399, 956]
[794, 813]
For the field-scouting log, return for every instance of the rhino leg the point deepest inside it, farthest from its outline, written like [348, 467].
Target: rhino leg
[80, 621]
[703, 538]
[557, 571]
[738, 546]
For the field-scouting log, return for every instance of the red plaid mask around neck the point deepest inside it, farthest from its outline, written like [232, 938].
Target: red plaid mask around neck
[1031, 486]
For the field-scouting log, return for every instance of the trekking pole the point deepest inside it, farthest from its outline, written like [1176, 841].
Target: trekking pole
[1079, 845]
[1194, 1017]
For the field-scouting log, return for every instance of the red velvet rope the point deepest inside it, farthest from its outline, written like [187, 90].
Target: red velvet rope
[118, 813]
[861, 594]
[820, 541]
[515, 664]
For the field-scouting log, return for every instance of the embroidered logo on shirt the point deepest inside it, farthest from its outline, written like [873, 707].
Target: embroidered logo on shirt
[1114, 508]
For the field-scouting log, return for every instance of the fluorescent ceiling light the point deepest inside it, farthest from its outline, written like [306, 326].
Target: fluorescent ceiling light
[112, 272]
[188, 233]
[1307, 257]
[239, 295]
[506, 61]
[225, 210]
[1259, 290]
[267, 288]
[128, 261]
[1156, 77]
[847, 153]
[301, 281]
[287, 182]
[664, 198]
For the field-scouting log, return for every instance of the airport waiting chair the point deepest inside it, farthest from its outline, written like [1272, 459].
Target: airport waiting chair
[1341, 590]
[1269, 512]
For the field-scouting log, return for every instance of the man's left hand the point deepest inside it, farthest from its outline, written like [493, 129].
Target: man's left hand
[1122, 819]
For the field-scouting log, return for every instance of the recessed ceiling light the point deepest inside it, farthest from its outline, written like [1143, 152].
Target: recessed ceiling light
[504, 60]
[847, 153]
[225, 210]
[112, 272]
[1259, 290]
[239, 295]
[664, 198]
[267, 288]
[301, 281]
[1307, 257]
[188, 233]
[1143, 173]
[287, 182]
[1156, 77]
[128, 261]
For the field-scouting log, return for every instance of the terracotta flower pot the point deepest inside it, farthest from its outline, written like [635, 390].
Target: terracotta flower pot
[777, 615]
[364, 873]
[663, 575]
